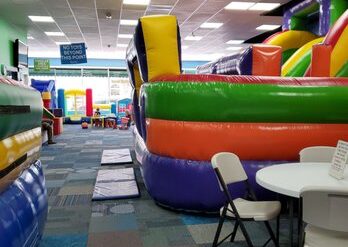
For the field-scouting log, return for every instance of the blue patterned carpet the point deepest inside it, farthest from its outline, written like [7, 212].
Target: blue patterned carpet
[74, 220]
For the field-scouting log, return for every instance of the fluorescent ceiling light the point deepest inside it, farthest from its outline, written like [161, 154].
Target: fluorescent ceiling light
[136, 2]
[122, 45]
[234, 48]
[195, 38]
[125, 36]
[211, 25]
[160, 8]
[235, 42]
[264, 6]
[184, 47]
[240, 5]
[41, 18]
[30, 37]
[128, 22]
[267, 27]
[59, 34]
[63, 43]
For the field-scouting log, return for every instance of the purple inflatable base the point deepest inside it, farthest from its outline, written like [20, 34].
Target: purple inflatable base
[192, 185]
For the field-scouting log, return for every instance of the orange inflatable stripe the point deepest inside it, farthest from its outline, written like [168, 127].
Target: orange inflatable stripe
[250, 141]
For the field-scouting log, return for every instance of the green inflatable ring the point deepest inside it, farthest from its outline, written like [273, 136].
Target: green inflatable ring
[20, 110]
[228, 102]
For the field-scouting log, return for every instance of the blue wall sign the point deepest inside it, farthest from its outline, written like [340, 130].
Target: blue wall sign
[73, 53]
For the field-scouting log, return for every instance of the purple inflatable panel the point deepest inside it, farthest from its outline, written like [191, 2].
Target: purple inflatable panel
[136, 110]
[244, 64]
[324, 11]
[192, 185]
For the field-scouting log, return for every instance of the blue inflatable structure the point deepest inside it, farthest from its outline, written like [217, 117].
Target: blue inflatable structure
[23, 209]
[46, 86]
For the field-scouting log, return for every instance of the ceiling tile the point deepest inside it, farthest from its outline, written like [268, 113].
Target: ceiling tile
[83, 22]
[90, 30]
[84, 13]
[109, 4]
[89, 4]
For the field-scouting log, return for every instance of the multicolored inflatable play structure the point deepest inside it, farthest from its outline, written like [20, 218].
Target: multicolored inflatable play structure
[23, 196]
[76, 104]
[183, 120]
[48, 92]
[122, 106]
[310, 29]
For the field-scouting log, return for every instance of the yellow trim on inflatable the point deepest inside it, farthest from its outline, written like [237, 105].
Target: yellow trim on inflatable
[102, 106]
[14, 147]
[339, 55]
[46, 95]
[293, 60]
[73, 92]
[292, 39]
[161, 43]
[137, 78]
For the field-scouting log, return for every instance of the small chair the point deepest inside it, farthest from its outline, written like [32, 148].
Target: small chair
[325, 212]
[229, 169]
[124, 123]
[317, 154]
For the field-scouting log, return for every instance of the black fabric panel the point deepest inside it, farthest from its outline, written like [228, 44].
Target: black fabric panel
[13, 166]
[261, 37]
[179, 45]
[14, 109]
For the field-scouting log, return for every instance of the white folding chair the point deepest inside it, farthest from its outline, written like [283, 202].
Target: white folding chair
[326, 215]
[317, 154]
[229, 170]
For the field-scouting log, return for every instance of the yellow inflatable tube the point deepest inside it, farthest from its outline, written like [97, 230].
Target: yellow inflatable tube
[339, 54]
[102, 106]
[15, 147]
[292, 39]
[293, 60]
[73, 92]
[137, 78]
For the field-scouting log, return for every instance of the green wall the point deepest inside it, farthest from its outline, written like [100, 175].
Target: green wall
[8, 34]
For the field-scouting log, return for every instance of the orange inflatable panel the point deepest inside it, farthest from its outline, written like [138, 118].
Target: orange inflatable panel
[267, 60]
[250, 141]
[321, 58]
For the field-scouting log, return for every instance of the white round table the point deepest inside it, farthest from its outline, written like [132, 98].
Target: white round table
[290, 178]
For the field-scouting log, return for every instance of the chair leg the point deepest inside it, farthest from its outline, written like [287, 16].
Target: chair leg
[235, 228]
[218, 230]
[302, 236]
[245, 233]
[269, 228]
[277, 230]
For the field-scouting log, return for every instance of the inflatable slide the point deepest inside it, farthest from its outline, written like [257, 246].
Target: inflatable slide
[305, 25]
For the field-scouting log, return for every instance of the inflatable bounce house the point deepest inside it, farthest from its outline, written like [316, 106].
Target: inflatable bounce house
[48, 92]
[122, 106]
[76, 104]
[23, 196]
[49, 100]
[306, 27]
[183, 120]
[105, 109]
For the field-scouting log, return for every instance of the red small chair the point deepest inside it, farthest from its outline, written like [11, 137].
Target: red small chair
[124, 123]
